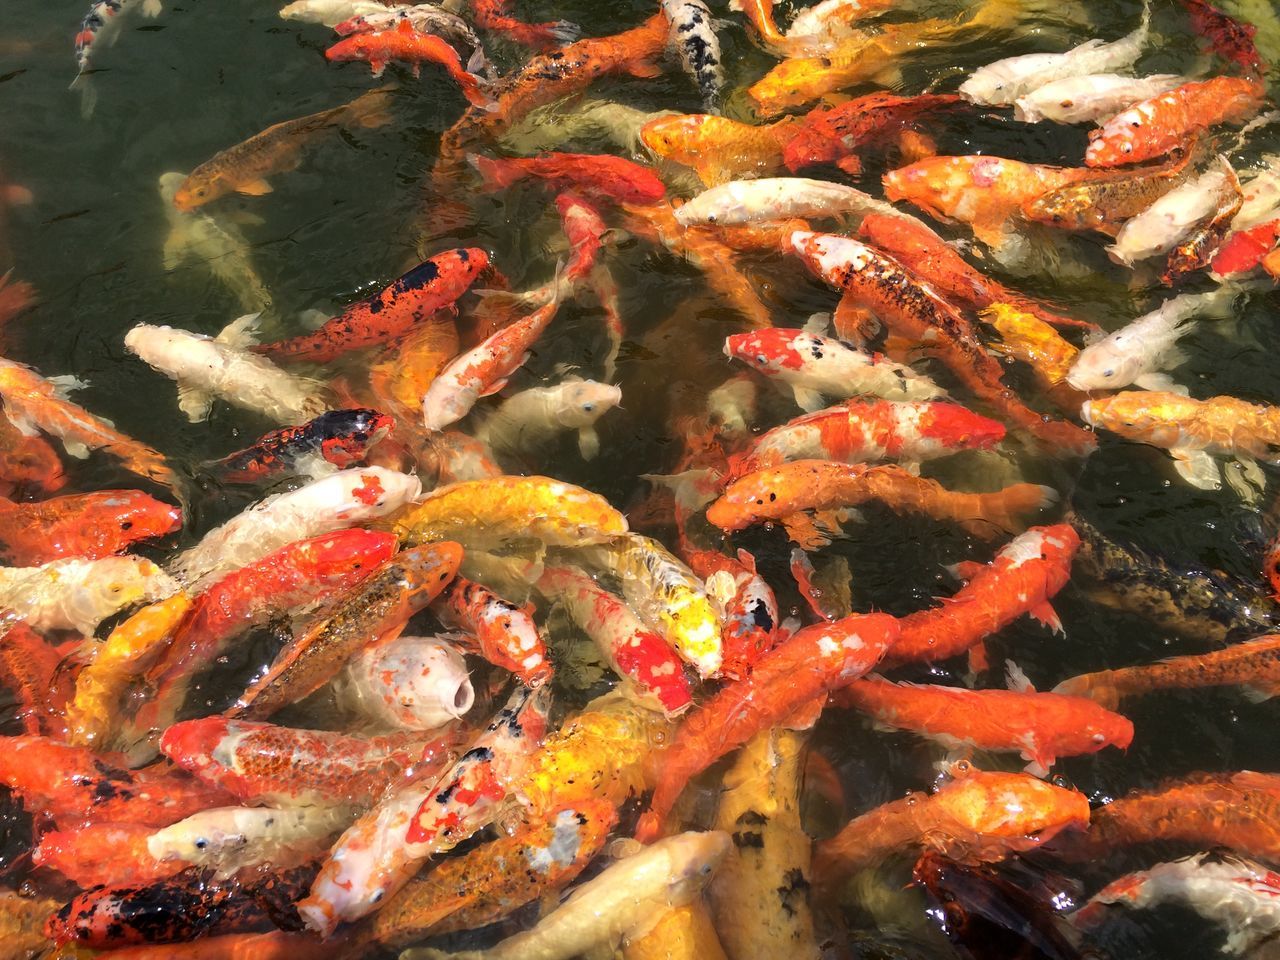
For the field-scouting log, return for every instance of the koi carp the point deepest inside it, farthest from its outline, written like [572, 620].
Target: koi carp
[1026, 337]
[533, 417]
[694, 37]
[402, 43]
[262, 763]
[501, 632]
[397, 310]
[100, 29]
[30, 671]
[1091, 98]
[1227, 37]
[27, 464]
[85, 526]
[381, 603]
[493, 15]
[409, 683]
[335, 440]
[600, 175]
[792, 677]
[103, 854]
[425, 18]
[776, 198]
[79, 594]
[718, 148]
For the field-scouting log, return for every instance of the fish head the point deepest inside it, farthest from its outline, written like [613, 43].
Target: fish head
[341, 557]
[415, 683]
[195, 744]
[373, 492]
[792, 83]
[989, 85]
[676, 137]
[1148, 416]
[954, 426]
[1100, 728]
[647, 659]
[1109, 364]
[768, 351]
[135, 515]
[830, 256]
[694, 858]
[352, 48]
[1114, 144]
[117, 583]
[1012, 806]
[200, 188]
[580, 403]
[347, 436]
[29, 461]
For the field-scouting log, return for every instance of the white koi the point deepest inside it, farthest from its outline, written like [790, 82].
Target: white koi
[778, 198]
[410, 683]
[532, 417]
[79, 594]
[1092, 98]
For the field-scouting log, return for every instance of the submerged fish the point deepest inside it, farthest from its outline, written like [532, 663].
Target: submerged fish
[335, 440]
[402, 43]
[531, 418]
[694, 36]
[101, 28]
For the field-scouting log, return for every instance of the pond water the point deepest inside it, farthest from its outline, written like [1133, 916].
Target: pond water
[175, 90]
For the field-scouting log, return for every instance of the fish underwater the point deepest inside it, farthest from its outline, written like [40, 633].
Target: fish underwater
[668, 481]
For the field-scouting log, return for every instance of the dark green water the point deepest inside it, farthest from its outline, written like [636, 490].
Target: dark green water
[205, 75]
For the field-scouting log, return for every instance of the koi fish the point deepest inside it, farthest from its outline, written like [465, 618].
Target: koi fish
[27, 464]
[501, 632]
[219, 248]
[619, 901]
[1228, 37]
[382, 850]
[22, 922]
[1105, 204]
[666, 596]
[1254, 664]
[1196, 249]
[866, 431]
[1040, 726]
[1162, 123]
[493, 15]
[1091, 98]
[1026, 337]
[382, 603]
[477, 888]
[400, 377]
[759, 895]
[404, 44]
[327, 505]
[94, 715]
[483, 370]
[820, 28]
[182, 907]
[262, 763]
[425, 18]
[103, 853]
[208, 367]
[926, 254]
[1177, 215]
[86, 526]
[1001, 83]
[77, 594]
[1237, 894]
[500, 509]
[760, 15]
[910, 308]
[291, 578]
[432, 285]
[838, 134]
[683, 932]
[245, 167]
[633, 651]
[1134, 353]
[1193, 431]
[226, 840]
[1239, 811]
[335, 440]
[694, 37]
[1245, 249]
[101, 28]
[719, 149]
[816, 367]
[30, 671]
[409, 683]
[74, 786]
[601, 175]
[32, 403]
[776, 198]
[531, 418]
[781, 492]
[792, 677]
[453, 457]
[328, 12]
[981, 816]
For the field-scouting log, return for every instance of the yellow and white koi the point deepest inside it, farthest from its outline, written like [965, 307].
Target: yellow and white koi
[79, 594]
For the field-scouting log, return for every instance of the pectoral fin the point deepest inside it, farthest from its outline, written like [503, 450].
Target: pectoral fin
[76, 449]
[1046, 615]
[254, 188]
[1160, 381]
[175, 250]
[808, 400]
[65, 384]
[241, 332]
[194, 403]
[588, 443]
[1197, 468]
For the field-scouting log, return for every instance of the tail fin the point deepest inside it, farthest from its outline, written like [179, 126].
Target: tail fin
[370, 110]
[495, 174]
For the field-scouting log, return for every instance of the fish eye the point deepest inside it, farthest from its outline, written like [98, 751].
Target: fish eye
[1099, 738]
[126, 525]
[588, 407]
[1108, 373]
[201, 844]
[761, 359]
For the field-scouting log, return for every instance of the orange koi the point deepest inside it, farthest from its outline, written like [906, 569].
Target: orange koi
[779, 493]
[1028, 338]
[614, 178]
[405, 44]
[718, 148]
[982, 816]
[106, 853]
[1166, 122]
[399, 378]
[30, 669]
[760, 14]
[910, 308]
[501, 632]
[1040, 726]
[1245, 250]
[84, 525]
[1255, 665]
[1024, 576]
[791, 677]
[28, 465]
[492, 15]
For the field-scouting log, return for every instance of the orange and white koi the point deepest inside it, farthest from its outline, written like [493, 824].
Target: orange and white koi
[1163, 123]
[981, 816]
[382, 850]
[867, 431]
[1040, 726]
[792, 677]
[815, 367]
[820, 28]
[260, 763]
[1022, 578]
[1193, 431]
[760, 14]
[1253, 665]
[409, 683]
[501, 632]
[634, 652]
[1091, 98]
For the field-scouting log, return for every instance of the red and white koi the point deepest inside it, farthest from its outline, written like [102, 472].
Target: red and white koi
[496, 629]
[823, 26]
[409, 683]
[101, 28]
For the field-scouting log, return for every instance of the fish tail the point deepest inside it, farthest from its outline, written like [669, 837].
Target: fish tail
[1011, 507]
[370, 110]
[495, 174]
[1096, 686]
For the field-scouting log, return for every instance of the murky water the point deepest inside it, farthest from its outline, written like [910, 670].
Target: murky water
[204, 75]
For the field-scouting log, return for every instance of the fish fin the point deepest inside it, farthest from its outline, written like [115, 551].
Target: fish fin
[477, 63]
[977, 657]
[806, 716]
[1016, 680]
[194, 403]
[588, 443]
[692, 487]
[746, 559]
[313, 319]
[314, 465]
[1160, 382]
[910, 466]
[853, 323]
[1045, 614]
[65, 384]
[176, 250]
[245, 218]
[494, 387]
[1038, 766]
[965, 570]
[1196, 467]
[890, 76]
[812, 531]
[852, 165]
[151, 8]
[241, 332]
[808, 400]
[76, 448]
[818, 323]
[643, 70]
[24, 425]
[254, 188]
[1258, 692]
